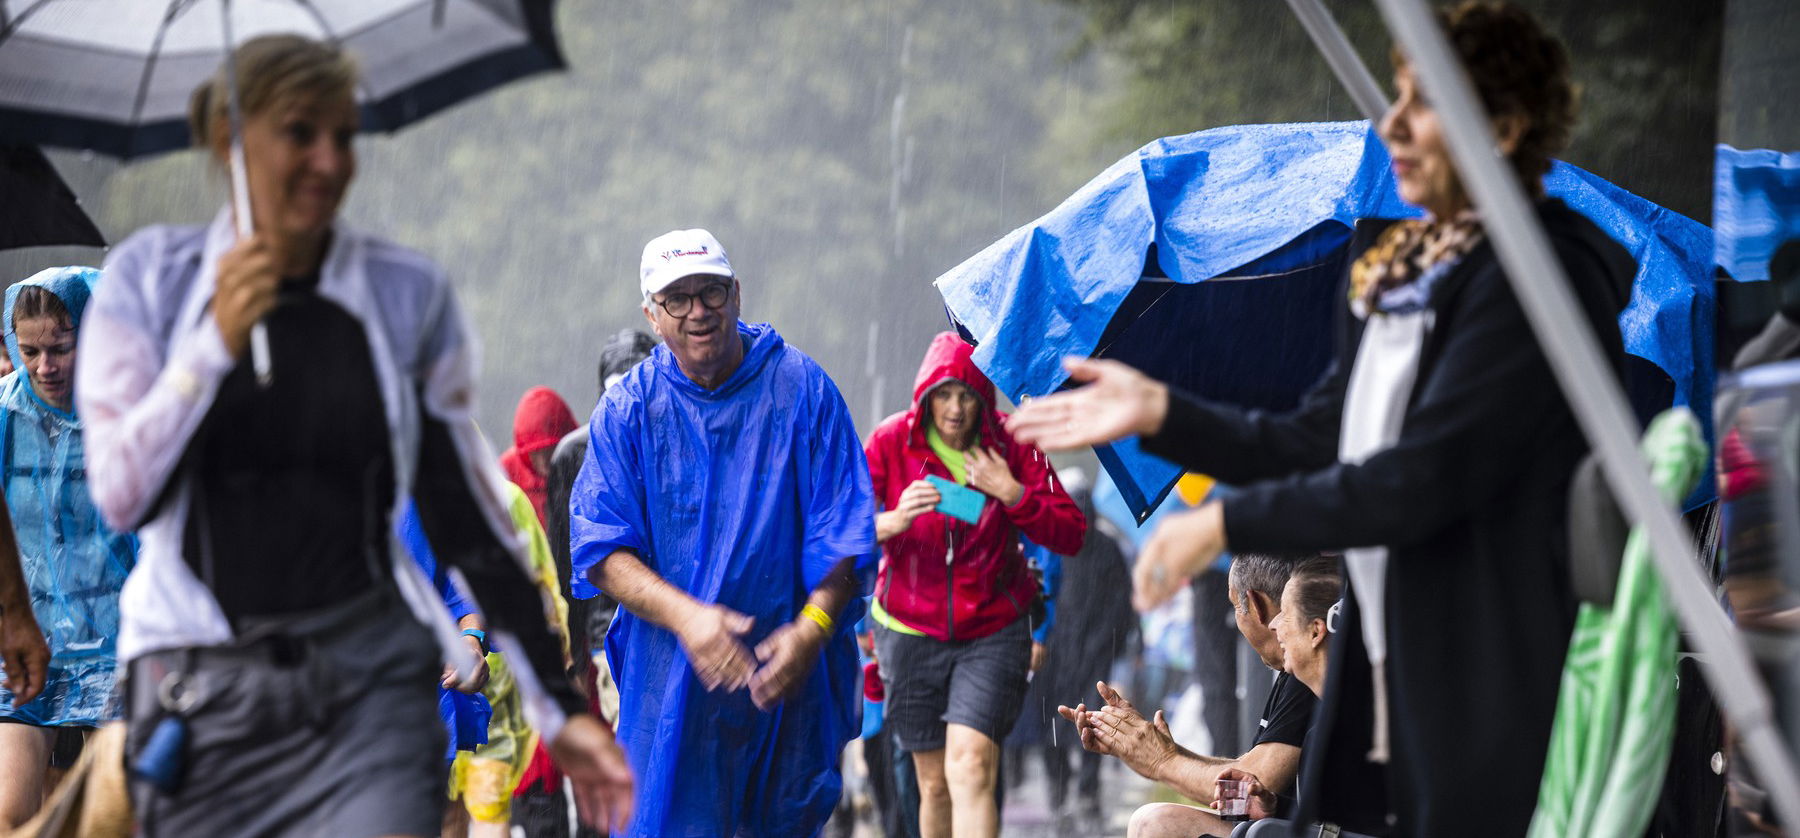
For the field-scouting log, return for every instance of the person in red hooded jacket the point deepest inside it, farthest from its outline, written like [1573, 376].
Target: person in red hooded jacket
[540, 421]
[953, 599]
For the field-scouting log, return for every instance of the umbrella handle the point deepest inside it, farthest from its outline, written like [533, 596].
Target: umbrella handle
[240, 194]
[240, 211]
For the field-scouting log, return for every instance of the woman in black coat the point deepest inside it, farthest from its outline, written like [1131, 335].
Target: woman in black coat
[1436, 452]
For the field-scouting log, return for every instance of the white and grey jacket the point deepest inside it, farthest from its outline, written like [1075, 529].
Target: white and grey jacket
[150, 363]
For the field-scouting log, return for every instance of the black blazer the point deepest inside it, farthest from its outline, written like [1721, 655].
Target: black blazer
[1471, 502]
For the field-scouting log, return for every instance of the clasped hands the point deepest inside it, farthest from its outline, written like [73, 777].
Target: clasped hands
[713, 639]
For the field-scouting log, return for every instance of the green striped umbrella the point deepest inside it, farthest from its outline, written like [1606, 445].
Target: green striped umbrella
[1615, 715]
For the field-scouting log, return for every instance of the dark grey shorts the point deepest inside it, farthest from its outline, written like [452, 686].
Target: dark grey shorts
[975, 683]
[336, 735]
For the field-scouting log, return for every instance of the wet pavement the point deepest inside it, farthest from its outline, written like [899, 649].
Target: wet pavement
[1027, 812]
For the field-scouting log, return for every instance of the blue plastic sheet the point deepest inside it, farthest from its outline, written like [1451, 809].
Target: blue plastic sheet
[74, 566]
[1756, 207]
[1129, 267]
[744, 496]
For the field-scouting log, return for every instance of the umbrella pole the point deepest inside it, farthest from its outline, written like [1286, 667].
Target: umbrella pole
[1596, 397]
[240, 192]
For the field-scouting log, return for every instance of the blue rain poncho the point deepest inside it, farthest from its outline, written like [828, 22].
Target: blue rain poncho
[743, 496]
[73, 564]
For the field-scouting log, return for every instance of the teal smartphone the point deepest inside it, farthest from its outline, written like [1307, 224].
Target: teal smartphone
[956, 500]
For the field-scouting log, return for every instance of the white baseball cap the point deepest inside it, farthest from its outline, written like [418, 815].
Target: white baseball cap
[680, 253]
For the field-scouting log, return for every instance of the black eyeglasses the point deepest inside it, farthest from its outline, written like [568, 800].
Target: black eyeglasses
[713, 295]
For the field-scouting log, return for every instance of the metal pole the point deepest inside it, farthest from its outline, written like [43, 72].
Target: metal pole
[1338, 53]
[1599, 404]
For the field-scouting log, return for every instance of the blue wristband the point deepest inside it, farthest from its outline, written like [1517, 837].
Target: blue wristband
[480, 637]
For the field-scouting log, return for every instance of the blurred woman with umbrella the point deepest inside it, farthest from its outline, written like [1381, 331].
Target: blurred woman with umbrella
[277, 684]
[1437, 451]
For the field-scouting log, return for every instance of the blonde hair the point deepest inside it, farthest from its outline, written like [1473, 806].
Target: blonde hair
[271, 70]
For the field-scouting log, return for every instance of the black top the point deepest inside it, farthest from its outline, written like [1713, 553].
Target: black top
[1287, 719]
[588, 618]
[1288, 712]
[296, 479]
[1471, 503]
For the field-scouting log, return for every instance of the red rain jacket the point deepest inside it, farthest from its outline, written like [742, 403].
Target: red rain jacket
[540, 421]
[985, 586]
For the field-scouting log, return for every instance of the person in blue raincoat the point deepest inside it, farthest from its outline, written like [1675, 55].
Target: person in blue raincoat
[74, 565]
[725, 503]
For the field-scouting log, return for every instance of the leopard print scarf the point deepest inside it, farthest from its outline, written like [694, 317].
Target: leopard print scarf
[1409, 257]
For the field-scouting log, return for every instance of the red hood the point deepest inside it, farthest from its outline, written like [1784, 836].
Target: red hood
[949, 357]
[541, 420]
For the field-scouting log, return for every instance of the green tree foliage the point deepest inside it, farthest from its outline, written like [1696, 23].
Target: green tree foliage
[1648, 70]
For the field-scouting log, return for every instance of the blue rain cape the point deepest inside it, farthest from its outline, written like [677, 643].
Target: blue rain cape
[466, 715]
[1269, 207]
[744, 496]
[74, 566]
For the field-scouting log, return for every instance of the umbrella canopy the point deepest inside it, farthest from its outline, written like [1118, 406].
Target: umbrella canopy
[114, 77]
[1615, 712]
[1129, 267]
[39, 209]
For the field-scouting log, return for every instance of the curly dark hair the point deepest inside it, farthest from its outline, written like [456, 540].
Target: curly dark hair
[1518, 68]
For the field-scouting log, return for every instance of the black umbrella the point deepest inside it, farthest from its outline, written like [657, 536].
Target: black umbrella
[114, 76]
[38, 208]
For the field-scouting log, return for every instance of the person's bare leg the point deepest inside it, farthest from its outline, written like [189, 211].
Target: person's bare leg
[24, 760]
[934, 794]
[456, 820]
[971, 764]
[1173, 820]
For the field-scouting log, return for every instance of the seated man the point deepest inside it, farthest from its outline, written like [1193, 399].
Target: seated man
[1255, 586]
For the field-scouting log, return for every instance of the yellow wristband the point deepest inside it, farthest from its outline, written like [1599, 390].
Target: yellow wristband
[816, 614]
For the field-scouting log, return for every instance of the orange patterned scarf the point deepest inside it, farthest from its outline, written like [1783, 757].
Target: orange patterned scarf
[1387, 276]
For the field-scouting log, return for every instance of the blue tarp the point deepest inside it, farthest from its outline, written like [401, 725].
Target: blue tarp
[1756, 207]
[1121, 270]
[74, 566]
[743, 496]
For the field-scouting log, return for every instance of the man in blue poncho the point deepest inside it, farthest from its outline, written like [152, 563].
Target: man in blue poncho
[725, 503]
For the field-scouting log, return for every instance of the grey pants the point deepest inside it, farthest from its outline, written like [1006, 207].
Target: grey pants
[330, 730]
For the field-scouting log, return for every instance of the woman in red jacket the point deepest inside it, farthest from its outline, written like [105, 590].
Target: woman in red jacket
[953, 598]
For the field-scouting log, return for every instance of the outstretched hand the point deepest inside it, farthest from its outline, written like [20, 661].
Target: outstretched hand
[1183, 544]
[1118, 729]
[1116, 402]
[604, 788]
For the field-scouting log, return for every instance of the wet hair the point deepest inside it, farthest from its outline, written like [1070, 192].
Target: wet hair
[37, 301]
[1519, 68]
[272, 70]
[1318, 584]
[1264, 573]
